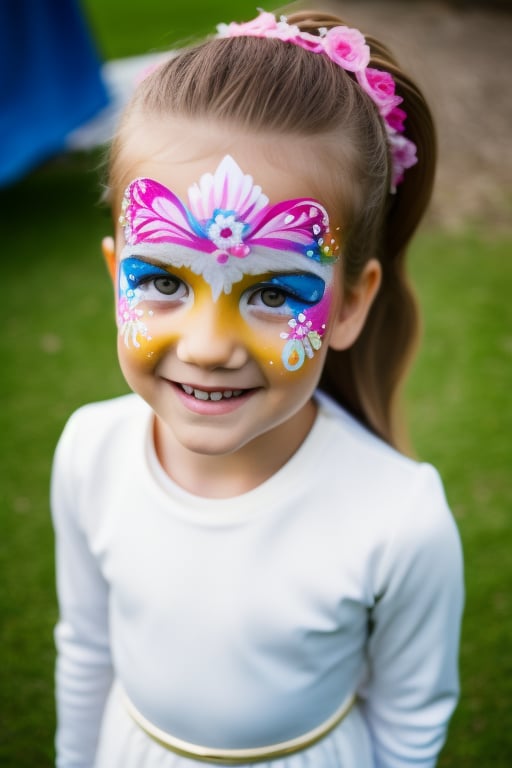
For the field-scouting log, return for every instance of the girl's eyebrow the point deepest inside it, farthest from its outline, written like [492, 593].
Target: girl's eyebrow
[149, 260]
[171, 256]
[166, 264]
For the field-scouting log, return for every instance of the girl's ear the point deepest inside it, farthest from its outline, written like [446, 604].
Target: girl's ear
[109, 254]
[354, 307]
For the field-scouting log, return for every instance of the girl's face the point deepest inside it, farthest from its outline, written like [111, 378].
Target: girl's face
[228, 289]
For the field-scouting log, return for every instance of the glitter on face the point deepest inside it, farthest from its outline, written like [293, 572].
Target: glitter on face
[283, 253]
[227, 219]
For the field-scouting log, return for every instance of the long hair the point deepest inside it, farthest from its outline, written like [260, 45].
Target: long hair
[270, 86]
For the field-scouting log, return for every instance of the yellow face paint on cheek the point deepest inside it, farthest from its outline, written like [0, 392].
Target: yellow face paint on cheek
[279, 319]
[148, 295]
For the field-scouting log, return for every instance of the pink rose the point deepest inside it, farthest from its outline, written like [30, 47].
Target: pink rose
[403, 153]
[380, 87]
[347, 48]
[396, 119]
[307, 41]
[258, 27]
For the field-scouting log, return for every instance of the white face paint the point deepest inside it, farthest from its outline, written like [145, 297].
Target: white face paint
[228, 229]
[282, 256]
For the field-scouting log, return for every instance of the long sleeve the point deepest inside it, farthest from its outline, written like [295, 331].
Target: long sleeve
[83, 672]
[413, 686]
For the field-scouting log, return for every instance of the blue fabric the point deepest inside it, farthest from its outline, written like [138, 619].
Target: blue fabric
[50, 80]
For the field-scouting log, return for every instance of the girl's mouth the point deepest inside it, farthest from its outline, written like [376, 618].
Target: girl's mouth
[212, 401]
[215, 395]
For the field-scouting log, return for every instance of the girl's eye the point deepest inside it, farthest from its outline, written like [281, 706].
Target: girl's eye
[143, 281]
[272, 298]
[284, 295]
[166, 285]
[162, 288]
[269, 299]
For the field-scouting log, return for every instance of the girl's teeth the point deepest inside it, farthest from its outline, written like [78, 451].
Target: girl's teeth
[200, 394]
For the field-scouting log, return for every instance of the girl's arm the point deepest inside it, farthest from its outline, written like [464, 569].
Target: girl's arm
[83, 673]
[412, 686]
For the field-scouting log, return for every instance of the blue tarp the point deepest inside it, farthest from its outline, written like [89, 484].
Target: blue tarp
[50, 80]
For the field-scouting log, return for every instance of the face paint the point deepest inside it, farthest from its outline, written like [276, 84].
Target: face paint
[227, 220]
[134, 277]
[307, 326]
[227, 235]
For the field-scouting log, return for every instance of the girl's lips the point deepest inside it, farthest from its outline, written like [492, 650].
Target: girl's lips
[211, 401]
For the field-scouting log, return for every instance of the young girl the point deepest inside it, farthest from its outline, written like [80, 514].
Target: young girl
[248, 569]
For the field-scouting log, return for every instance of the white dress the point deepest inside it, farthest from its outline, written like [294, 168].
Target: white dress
[242, 622]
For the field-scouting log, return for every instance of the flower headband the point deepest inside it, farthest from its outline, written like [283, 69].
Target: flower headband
[348, 49]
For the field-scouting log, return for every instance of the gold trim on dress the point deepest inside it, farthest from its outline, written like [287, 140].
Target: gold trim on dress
[239, 756]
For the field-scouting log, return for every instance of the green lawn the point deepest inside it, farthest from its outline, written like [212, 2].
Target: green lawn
[57, 352]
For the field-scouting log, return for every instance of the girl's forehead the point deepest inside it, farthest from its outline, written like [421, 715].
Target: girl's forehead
[176, 152]
[225, 227]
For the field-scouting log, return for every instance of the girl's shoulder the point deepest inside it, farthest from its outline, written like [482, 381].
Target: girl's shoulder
[370, 467]
[388, 497]
[355, 436]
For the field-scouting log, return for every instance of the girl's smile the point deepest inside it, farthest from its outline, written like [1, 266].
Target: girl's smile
[211, 402]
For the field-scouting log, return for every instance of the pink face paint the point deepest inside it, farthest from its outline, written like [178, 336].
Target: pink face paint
[227, 220]
[304, 334]
[227, 232]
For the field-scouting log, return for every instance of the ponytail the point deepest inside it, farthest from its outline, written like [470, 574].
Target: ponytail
[366, 378]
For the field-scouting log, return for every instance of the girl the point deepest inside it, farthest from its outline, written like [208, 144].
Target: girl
[248, 569]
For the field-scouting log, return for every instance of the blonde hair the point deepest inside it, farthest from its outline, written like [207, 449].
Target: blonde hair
[268, 85]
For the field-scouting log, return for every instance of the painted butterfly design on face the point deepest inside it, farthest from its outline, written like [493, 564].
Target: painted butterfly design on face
[228, 229]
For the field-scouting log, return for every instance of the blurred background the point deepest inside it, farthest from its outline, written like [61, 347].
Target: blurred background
[67, 69]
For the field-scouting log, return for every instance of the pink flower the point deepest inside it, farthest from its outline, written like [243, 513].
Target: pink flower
[305, 40]
[347, 48]
[396, 119]
[258, 27]
[284, 32]
[380, 87]
[125, 312]
[403, 152]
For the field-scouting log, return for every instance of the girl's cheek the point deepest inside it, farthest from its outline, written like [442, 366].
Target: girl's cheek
[140, 336]
[281, 349]
[292, 350]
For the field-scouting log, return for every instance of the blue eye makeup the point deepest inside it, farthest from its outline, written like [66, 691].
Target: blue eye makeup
[305, 288]
[136, 272]
[141, 281]
[290, 292]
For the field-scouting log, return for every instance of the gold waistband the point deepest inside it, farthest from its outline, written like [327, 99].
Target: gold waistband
[239, 756]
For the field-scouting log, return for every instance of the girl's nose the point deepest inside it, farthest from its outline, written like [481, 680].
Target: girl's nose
[209, 340]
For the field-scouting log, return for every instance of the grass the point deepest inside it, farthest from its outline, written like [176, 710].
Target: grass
[123, 30]
[57, 351]
[461, 416]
